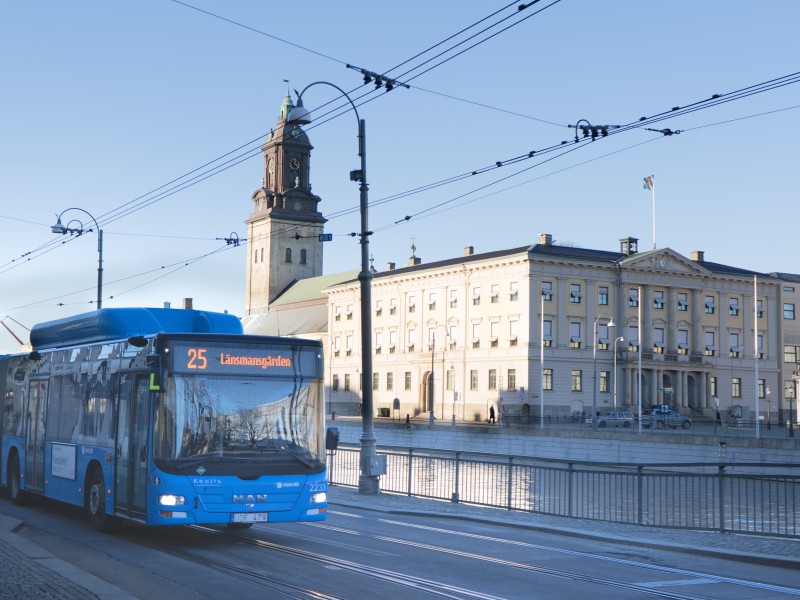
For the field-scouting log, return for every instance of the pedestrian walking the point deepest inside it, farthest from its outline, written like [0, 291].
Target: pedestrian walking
[491, 414]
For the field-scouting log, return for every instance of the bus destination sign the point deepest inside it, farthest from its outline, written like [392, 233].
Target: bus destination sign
[216, 359]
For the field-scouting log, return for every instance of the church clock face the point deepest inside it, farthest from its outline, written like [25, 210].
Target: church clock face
[271, 166]
[294, 164]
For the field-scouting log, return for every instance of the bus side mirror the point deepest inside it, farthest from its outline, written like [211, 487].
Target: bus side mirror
[332, 438]
[153, 362]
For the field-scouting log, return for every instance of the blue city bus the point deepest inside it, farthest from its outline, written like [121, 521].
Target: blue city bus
[166, 417]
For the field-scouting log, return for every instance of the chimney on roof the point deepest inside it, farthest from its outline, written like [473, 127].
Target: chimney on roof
[469, 250]
[414, 260]
[187, 303]
[629, 246]
[390, 266]
[546, 239]
[698, 255]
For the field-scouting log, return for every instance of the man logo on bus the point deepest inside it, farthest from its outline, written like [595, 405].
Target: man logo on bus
[238, 498]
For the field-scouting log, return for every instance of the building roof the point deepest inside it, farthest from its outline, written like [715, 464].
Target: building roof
[307, 290]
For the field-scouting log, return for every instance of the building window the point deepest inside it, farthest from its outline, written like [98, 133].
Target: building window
[407, 378]
[736, 387]
[710, 345]
[349, 312]
[547, 291]
[513, 292]
[412, 304]
[547, 380]
[658, 299]
[547, 333]
[575, 293]
[412, 338]
[376, 381]
[733, 308]
[335, 383]
[451, 379]
[303, 255]
[453, 335]
[575, 339]
[494, 333]
[378, 307]
[492, 379]
[633, 298]
[658, 340]
[432, 301]
[476, 296]
[378, 341]
[347, 382]
[392, 341]
[683, 341]
[453, 299]
[495, 294]
[791, 354]
[476, 335]
[390, 381]
[392, 306]
[788, 311]
[602, 336]
[288, 255]
[473, 379]
[786, 288]
[337, 344]
[633, 338]
[710, 305]
[760, 309]
[512, 380]
[337, 313]
[513, 332]
[712, 384]
[760, 344]
[733, 338]
[604, 379]
[683, 301]
[576, 380]
[602, 295]
[762, 386]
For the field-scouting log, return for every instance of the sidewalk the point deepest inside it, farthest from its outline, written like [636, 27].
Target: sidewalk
[780, 552]
[29, 572]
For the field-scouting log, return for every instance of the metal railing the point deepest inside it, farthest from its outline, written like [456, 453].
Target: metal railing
[725, 497]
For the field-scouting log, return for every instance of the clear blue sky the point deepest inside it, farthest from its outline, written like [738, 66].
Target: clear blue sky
[104, 102]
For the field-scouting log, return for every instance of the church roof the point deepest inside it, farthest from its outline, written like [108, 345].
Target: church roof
[306, 290]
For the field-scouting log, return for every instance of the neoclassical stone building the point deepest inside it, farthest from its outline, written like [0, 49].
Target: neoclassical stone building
[545, 326]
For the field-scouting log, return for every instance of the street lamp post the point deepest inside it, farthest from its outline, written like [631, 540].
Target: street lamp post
[62, 229]
[594, 361]
[370, 471]
[616, 341]
[431, 417]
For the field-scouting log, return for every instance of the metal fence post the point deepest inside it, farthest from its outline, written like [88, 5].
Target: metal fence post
[410, 469]
[454, 498]
[721, 478]
[510, 480]
[570, 487]
[640, 493]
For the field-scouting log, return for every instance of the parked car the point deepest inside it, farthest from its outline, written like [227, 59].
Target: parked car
[658, 418]
[614, 419]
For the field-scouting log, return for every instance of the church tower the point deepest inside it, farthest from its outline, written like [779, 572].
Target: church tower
[284, 227]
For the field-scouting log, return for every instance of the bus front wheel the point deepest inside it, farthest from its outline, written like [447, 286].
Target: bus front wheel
[96, 502]
[14, 486]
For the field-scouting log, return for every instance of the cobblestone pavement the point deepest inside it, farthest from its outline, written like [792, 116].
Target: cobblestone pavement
[751, 548]
[29, 572]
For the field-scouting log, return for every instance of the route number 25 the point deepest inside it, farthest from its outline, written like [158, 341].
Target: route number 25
[197, 358]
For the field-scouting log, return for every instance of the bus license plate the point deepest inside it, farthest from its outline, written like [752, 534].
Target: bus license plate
[250, 517]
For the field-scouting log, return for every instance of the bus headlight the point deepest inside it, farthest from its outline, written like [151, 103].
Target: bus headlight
[319, 498]
[171, 500]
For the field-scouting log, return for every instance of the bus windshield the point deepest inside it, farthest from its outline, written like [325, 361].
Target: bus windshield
[242, 425]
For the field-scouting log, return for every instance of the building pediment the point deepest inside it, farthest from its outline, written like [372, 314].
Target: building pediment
[664, 261]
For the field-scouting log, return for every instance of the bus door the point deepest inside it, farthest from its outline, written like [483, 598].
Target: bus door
[131, 466]
[34, 435]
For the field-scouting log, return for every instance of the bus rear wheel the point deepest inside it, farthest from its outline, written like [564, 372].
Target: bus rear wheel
[96, 502]
[14, 485]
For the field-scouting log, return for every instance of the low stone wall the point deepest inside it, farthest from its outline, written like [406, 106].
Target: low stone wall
[611, 447]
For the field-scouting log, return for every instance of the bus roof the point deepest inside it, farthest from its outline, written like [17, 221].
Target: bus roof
[121, 323]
